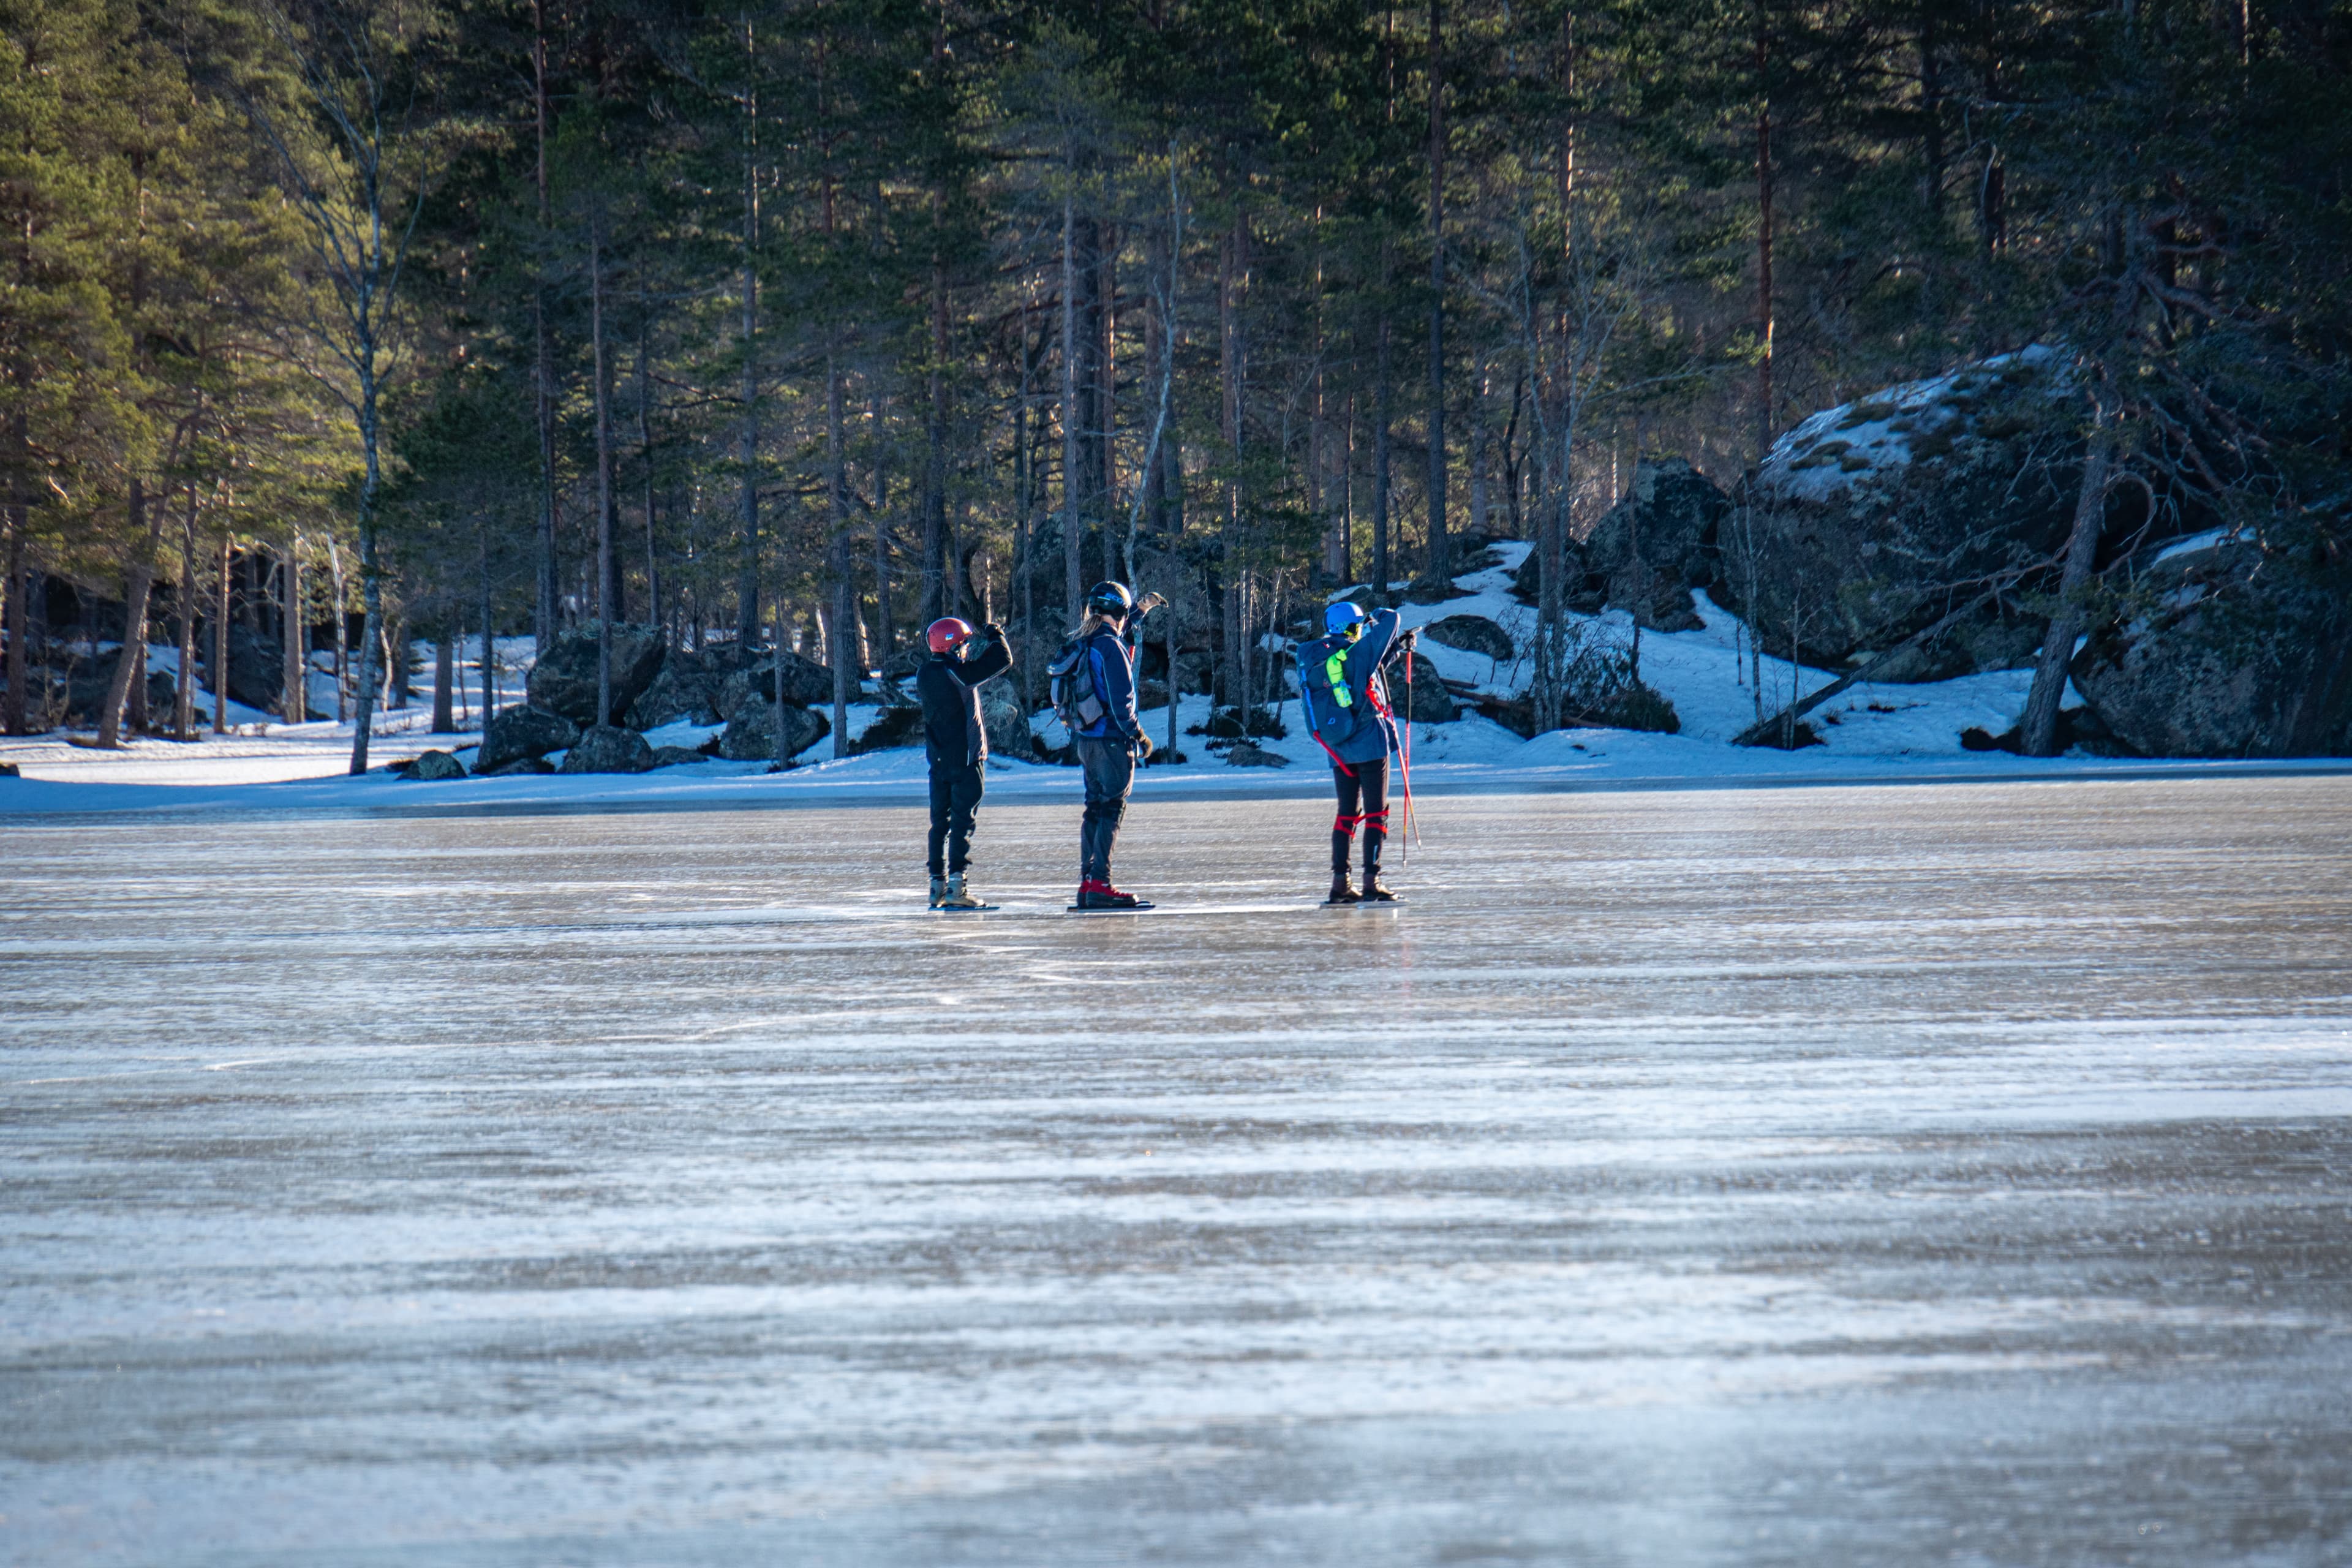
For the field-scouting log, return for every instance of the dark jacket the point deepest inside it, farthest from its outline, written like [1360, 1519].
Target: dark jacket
[1113, 673]
[1360, 730]
[946, 682]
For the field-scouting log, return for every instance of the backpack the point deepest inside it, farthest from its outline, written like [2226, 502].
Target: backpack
[1070, 682]
[1335, 716]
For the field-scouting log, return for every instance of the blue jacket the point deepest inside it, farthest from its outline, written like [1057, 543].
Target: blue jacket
[1359, 731]
[1113, 677]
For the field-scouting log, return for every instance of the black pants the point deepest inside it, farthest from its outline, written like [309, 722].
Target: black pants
[955, 795]
[1110, 774]
[1363, 798]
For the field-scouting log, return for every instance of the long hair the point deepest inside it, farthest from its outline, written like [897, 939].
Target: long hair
[1095, 622]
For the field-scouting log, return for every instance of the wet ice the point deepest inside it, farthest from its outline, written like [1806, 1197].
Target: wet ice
[1951, 1172]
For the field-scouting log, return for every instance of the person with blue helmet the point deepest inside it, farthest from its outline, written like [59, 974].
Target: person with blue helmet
[1109, 744]
[1347, 707]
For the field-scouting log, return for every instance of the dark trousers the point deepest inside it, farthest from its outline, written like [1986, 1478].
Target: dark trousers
[1110, 768]
[955, 795]
[1363, 799]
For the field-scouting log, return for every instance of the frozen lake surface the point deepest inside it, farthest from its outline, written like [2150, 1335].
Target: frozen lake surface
[1953, 1174]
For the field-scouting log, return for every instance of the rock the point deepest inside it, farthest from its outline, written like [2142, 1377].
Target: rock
[678, 756]
[10, 771]
[1431, 702]
[85, 693]
[523, 731]
[2229, 650]
[1867, 517]
[751, 732]
[432, 766]
[608, 749]
[563, 680]
[892, 727]
[1471, 634]
[1250, 754]
[1646, 553]
[519, 765]
[256, 666]
[1007, 722]
[806, 684]
[675, 694]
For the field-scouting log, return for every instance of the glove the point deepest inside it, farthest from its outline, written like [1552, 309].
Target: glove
[1143, 744]
[994, 632]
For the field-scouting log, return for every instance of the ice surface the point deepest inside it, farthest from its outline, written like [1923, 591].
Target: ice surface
[1940, 1174]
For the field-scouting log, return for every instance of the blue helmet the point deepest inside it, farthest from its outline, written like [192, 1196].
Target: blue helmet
[1340, 617]
[1110, 599]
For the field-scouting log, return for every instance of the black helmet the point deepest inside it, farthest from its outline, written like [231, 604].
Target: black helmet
[1110, 599]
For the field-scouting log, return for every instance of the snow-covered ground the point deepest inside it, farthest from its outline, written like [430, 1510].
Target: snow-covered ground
[1869, 733]
[1721, 1179]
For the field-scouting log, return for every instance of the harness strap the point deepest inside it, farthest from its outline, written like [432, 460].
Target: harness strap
[1330, 754]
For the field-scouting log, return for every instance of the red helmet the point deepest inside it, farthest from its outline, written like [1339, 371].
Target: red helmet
[944, 634]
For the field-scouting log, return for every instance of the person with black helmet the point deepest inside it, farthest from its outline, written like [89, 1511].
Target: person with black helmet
[1347, 707]
[956, 743]
[1099, 674]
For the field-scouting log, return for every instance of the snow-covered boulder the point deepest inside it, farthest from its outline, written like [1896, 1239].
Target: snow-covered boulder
[563, 680]
[2221, 651]
[1863, 522]
[431, 767]
[751, 732]
[522, 733]
[608, 749]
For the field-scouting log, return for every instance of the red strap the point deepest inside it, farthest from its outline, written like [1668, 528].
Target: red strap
[1380, 816]
[1333, 755]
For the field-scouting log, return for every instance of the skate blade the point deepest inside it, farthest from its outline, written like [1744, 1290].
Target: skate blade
[1124, 910]
[963, 909]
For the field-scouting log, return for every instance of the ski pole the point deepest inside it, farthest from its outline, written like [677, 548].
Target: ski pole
[1412, 828]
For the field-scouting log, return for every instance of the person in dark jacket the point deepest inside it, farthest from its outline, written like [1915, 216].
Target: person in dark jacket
[956, 743]
[1110, 747]
[1348, 712]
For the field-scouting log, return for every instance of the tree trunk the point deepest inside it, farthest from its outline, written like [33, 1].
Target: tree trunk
[129, 666]
[2040, 725]
[1073, 521]
[747, 440]
[220, 638]
[444, 680]
[370, 572]
[1440, 554]
[543, 620]
[14, 716]
[1763, 250]
[1381, 574]
[184, 600]
[840, 643]
[885, 620]
[608, 600]
[293, 701]
[489, 647]
[654, 614]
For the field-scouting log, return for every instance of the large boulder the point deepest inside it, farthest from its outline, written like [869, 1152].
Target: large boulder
[2226, 649]
[751, 732]
[807, 683]
[1472, 633]
[608, 749]
[522, 733]
[86, 691]
[1007, 722]
[1863, 522]
[563, 680]
[688, 694]
[431, 767]
[256, 667]
[1647, 553]
[1431, 702]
